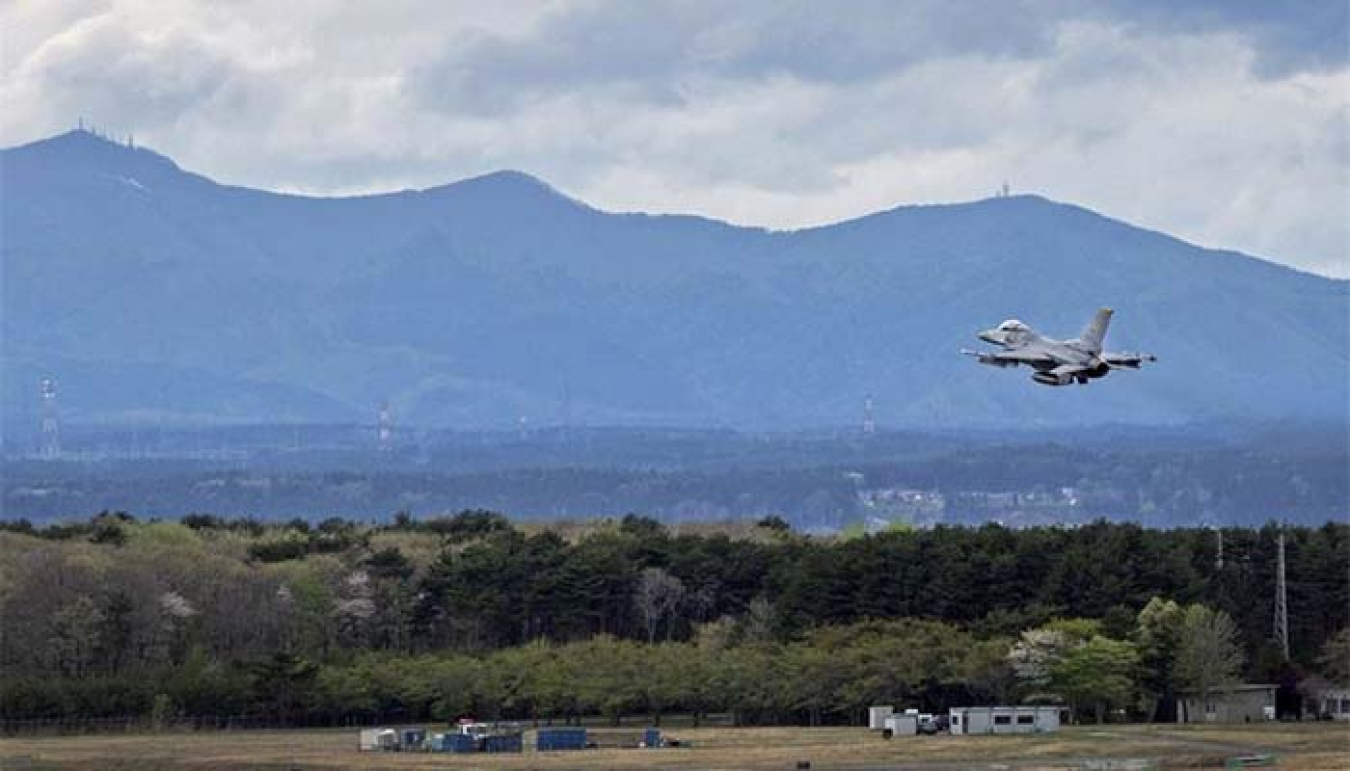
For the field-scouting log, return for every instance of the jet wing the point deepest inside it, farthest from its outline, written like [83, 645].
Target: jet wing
[1011, 358]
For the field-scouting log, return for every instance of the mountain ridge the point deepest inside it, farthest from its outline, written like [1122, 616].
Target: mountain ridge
[481, 300]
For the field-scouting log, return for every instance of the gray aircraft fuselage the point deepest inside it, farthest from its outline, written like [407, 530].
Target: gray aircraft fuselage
[1056, 362]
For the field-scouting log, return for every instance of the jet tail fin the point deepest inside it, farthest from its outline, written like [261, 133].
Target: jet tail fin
[1095, 332]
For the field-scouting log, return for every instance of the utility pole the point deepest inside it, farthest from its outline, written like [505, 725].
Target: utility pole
[1281, 602]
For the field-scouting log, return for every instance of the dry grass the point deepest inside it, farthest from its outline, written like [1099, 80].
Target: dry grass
[1320, 747]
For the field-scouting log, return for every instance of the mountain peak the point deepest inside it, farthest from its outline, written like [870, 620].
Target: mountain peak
[504, 186]
[85, 146]
[509, 177]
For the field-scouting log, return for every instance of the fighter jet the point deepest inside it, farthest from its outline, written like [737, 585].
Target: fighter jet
[1057, 362]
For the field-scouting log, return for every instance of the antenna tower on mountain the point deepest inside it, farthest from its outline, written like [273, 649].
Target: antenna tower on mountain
[51, 428]
[384, 433]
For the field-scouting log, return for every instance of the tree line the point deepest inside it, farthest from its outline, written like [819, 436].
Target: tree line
[813, 482]
[341, 620]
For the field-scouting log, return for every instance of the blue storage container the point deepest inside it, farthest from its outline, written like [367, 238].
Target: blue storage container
[651, 737]
[461, 743]
[503, 743]
[550, 739]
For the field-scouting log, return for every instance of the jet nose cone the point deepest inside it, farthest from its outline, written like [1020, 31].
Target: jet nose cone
[991, 336]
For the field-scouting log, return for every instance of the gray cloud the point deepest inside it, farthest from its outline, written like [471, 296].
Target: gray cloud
[646, 51]
[1286, 37]
[650, 52]
[1223, 122]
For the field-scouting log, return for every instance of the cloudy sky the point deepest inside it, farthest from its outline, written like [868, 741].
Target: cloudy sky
[1224, 123]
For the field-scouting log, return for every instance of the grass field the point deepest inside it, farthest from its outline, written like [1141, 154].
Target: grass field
[1314, 747]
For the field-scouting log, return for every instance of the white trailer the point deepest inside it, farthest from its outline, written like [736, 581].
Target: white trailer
[1004, 720]
[876, 717]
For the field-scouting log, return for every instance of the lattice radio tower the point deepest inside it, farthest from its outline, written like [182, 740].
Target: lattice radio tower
[1281, 602]
[51, 427]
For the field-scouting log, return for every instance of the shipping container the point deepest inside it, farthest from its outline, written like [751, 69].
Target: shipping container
[503, 743]
[551, 739]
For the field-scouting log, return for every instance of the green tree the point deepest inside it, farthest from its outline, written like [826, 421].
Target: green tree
[75, 640]
[1158, 633]
[1208, 655]
[1034, 655]
[1098, 674]
[1334, 660]
[283, 684]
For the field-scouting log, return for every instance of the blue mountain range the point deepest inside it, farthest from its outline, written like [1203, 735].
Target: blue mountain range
[152, 294]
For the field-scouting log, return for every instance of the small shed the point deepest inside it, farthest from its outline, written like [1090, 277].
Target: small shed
[1245, 703]
[903, 725]
[367, 741]
[876, 716]
[377, 739]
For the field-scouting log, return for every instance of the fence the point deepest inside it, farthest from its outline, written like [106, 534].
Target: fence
[67, 726]
[144, 724]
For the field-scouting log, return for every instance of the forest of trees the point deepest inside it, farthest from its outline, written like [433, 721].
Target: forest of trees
[472, 614]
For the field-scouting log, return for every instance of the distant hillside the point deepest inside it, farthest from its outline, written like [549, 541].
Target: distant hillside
[153, 294]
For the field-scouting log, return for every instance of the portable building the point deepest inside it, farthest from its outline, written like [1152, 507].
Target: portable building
[876, 716]
[1247, 703]
[1003, 720]
[903, 725]
[378, 739]
[651, 737]
[367, 741]
[1331, 703]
